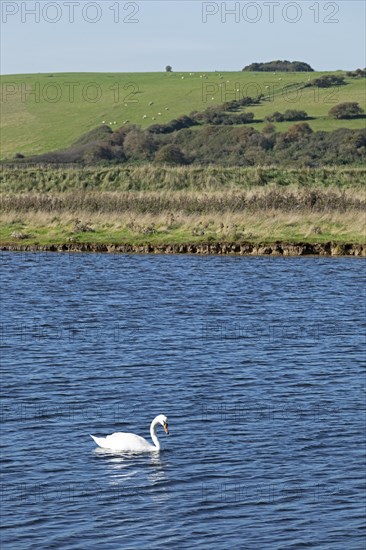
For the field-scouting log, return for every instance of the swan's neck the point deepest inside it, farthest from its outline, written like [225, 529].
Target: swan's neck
[154, 437]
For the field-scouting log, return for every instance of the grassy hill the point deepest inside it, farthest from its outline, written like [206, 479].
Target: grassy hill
[46, 112]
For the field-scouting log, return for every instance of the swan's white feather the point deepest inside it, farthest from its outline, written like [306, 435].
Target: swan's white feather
[122, 441]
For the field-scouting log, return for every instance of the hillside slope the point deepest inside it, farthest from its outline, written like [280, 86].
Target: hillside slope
[46, 112]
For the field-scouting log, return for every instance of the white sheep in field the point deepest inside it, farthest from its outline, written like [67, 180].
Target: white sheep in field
[159, 114]
[144, 116]
[151, 103]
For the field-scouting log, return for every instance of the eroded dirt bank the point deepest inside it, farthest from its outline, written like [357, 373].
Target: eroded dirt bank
[233, 248]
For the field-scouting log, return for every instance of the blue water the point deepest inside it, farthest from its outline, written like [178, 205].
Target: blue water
[257, 362]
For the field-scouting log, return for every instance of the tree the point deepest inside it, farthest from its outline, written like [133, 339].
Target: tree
[281, 66]
[168, 69]
[346, 110]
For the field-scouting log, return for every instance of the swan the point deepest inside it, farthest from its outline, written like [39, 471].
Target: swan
[122, 441]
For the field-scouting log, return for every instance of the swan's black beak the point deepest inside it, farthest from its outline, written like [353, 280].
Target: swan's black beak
[166, 428]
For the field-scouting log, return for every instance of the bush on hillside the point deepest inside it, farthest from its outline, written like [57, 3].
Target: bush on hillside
[289, 115]
[170, 154]
[139, 145]
[328, 81]
[346, 110]
[358, 73]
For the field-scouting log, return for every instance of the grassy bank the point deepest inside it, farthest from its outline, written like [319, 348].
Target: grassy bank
[160, 204]
[268, 227]
[259, 214]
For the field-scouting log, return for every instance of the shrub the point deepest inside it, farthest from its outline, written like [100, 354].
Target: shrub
[298, 131]
[293, 114]
[242, 118]
[176, 124]
[358, 73]
[328, 80]
[170, 154]
[168, 68]
[139, 145]
[217, 116]
[346, 110]
[119, 135]
[98, 153]
[289, 115]
[269, 129]
[275, 117]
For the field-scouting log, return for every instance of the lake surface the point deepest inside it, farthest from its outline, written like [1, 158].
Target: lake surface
[257, 362]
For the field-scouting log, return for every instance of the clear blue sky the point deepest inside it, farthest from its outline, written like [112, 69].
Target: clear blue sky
[328, 35]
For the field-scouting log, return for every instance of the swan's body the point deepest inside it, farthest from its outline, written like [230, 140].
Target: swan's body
[122, 441]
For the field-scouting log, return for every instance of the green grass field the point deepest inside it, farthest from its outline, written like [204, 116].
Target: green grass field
[45, 112]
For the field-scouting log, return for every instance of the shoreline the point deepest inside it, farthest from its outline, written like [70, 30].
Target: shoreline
[277, 248]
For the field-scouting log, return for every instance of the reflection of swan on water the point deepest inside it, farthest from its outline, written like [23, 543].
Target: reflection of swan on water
[121, 441]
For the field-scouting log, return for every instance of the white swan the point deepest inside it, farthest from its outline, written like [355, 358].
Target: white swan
[122, 441]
